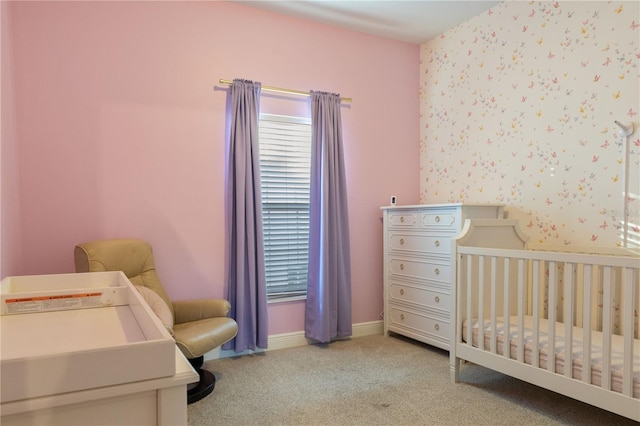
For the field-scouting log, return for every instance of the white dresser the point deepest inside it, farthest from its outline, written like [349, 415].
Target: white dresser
[418, 271]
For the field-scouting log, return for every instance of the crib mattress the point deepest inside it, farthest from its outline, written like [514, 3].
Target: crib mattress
[577, 352]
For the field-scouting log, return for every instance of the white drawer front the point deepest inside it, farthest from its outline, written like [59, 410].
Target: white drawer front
[404, 220]
[418, 295]
[422, 244]
[443, 220]
[421, 269]
[419, 322]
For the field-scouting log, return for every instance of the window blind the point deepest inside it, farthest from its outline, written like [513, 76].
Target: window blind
[285, 167]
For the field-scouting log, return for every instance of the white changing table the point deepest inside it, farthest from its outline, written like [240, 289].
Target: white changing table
[161, 401]
[85, 349]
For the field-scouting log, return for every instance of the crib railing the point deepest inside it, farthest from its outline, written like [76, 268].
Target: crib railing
[557, 290]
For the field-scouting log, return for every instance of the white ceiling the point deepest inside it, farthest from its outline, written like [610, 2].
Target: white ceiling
[413, 21]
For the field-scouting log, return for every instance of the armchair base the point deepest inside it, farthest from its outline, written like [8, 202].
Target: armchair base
[205, 386]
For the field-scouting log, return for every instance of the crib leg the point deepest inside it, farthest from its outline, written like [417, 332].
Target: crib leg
[454, 369]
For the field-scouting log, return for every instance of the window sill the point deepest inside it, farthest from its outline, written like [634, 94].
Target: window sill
[286, 299]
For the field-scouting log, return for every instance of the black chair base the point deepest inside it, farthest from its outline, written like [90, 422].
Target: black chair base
[197, 391]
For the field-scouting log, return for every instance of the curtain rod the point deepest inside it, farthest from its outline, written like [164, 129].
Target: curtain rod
[281, 90]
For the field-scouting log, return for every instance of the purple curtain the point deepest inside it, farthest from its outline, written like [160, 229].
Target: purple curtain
[328, 306]
[246, 283]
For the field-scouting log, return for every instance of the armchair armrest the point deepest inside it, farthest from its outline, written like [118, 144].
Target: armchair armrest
[194, 310]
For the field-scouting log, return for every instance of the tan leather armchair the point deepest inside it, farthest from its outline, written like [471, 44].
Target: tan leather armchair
[197, 326]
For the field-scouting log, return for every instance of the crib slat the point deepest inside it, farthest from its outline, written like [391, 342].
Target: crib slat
[587, 328]
[506, 313]
[597, 320]
[629, 299]
[606, 328]
[535, 334]
[568, 319]
[551, 356]
[493, 307]
[481, 302]
[469, 300]
[521, 309]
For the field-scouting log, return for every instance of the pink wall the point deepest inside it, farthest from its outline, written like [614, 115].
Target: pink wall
[121, 132]
[10, 244]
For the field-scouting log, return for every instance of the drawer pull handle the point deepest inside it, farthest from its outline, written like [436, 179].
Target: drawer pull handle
[437, 271]
[402, 266]
[401, 241]
[437, 327]
[401, 317]
[437, 243]
[437, 299]
[401, 291]
[437, 219]
[401, 219]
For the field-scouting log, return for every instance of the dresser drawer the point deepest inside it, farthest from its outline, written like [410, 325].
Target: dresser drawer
[421, 296]
[404, 220]
[443, 220]
[419, 322]
[420, 244]
[420, 269]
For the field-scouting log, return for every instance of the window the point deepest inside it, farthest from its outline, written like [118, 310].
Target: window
[285, 168]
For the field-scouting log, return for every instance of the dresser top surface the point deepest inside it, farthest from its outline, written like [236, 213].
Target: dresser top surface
[415, 206]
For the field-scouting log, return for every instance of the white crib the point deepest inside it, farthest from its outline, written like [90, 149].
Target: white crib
[552, 303]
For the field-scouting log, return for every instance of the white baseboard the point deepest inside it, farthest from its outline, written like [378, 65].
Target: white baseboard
[292, 340]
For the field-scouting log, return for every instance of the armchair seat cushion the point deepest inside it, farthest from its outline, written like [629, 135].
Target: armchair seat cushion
[194, 310]
[198, 337]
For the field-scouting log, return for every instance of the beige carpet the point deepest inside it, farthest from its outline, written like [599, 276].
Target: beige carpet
[376, 380]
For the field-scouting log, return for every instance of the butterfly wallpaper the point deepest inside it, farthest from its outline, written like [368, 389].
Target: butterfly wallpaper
[518, 107]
